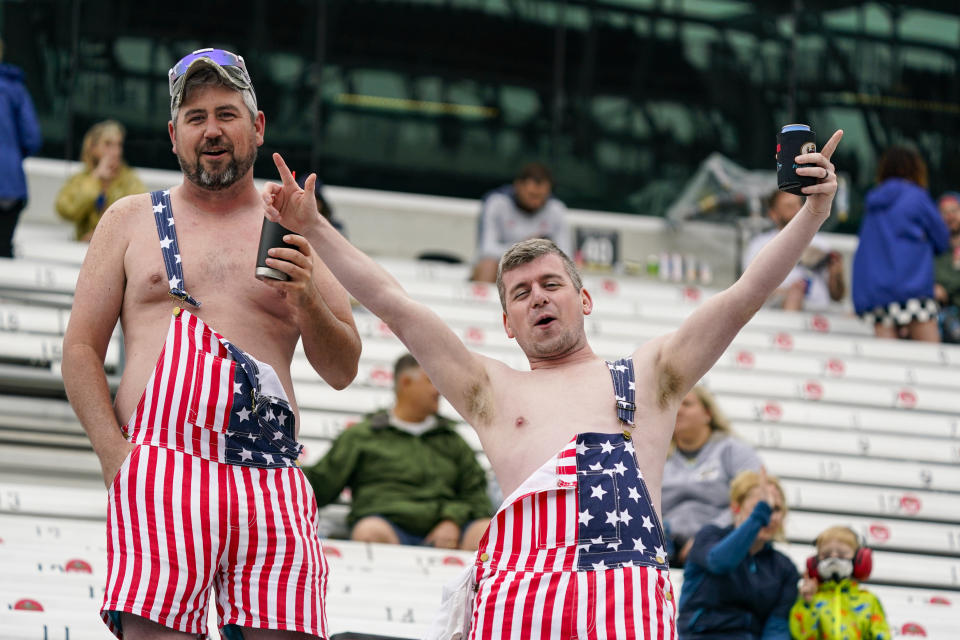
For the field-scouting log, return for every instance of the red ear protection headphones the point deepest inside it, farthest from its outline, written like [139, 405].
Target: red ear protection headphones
[862, 560]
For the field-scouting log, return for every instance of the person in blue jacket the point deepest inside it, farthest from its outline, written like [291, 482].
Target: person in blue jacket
[736, 586]
[19, 137]
[893, 267]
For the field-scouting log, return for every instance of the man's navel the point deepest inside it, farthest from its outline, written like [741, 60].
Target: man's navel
[520, 421]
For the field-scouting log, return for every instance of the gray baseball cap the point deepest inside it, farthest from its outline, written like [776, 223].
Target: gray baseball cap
[228, 66]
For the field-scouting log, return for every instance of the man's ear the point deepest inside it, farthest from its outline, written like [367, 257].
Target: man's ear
[586, 301]
[260, 124]
[507, 327]
[173, 136]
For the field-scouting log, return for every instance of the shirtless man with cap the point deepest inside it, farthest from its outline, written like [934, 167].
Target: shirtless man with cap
[199, 449]
[577, 443]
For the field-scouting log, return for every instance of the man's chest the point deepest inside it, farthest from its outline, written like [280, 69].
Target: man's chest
[585, 399]
[537, 415]
[215, 266]
[214, 256]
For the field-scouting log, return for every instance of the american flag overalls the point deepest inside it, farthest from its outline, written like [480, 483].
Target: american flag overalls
[578, 551]
[212, 495]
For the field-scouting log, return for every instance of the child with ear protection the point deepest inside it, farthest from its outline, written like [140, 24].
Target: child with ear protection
[832, 605]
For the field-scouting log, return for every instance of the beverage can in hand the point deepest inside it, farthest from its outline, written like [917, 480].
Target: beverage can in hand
[271, 236]
[792, 141]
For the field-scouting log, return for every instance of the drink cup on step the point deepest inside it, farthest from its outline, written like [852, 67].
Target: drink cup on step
[271, 236]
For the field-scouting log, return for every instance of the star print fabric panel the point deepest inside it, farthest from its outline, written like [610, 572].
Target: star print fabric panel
[272, 445]
[255, 434]
[617, 525]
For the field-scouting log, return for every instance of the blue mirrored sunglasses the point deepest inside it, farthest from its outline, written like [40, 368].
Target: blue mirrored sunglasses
[221, 57]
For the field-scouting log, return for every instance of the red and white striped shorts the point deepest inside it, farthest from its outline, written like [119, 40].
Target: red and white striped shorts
[626, 603]
[178, 525]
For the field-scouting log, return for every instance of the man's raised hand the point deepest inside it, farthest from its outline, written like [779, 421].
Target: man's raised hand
[820, 195]
[287, 203]
[769, 489]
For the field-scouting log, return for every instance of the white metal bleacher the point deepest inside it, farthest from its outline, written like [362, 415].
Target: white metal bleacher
[862, 432]
[70, 580]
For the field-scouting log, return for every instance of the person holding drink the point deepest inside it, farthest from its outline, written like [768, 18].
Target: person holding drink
[199, 450]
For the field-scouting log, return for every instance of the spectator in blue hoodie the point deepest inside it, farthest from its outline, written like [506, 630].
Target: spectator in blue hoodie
[893, 268]
[736, 586]
[19, 138]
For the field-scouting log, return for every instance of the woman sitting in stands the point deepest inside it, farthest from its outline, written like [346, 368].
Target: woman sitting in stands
[105, 178]
[735, 584]
[696, 479]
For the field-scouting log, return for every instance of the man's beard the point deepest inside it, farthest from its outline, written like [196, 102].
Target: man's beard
[235, 169]
[554, 347]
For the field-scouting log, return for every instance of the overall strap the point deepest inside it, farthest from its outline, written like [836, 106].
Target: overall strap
[163, 216]
[250, 369]
[624, 388]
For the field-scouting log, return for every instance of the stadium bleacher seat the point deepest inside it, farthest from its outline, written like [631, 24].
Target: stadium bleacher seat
[862, 432]
[37, 276]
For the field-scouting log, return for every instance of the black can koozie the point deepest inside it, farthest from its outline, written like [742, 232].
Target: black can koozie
[792, 141]
[271, 235]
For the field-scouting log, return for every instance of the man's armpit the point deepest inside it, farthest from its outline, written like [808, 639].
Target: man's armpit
[669, 384]
[479, 400]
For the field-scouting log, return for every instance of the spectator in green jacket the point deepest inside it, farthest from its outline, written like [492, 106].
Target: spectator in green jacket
[413, 479]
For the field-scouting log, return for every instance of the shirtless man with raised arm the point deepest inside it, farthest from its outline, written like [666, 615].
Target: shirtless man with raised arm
[199, 449]
[577, 443]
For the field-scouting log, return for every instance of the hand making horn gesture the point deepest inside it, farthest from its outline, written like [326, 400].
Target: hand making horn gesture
[287, 203]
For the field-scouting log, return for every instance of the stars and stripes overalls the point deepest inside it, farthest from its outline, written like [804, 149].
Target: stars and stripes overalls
[212, 495]
[577, 551]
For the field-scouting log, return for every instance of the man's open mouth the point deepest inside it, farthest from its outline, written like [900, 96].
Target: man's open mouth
[544, 321]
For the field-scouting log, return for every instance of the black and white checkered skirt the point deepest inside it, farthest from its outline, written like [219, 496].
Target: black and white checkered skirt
[900, 314]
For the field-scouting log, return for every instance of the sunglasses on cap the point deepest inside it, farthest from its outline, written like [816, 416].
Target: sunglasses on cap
[221, 57]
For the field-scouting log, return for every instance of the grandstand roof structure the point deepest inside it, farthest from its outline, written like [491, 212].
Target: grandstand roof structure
[623, 98]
